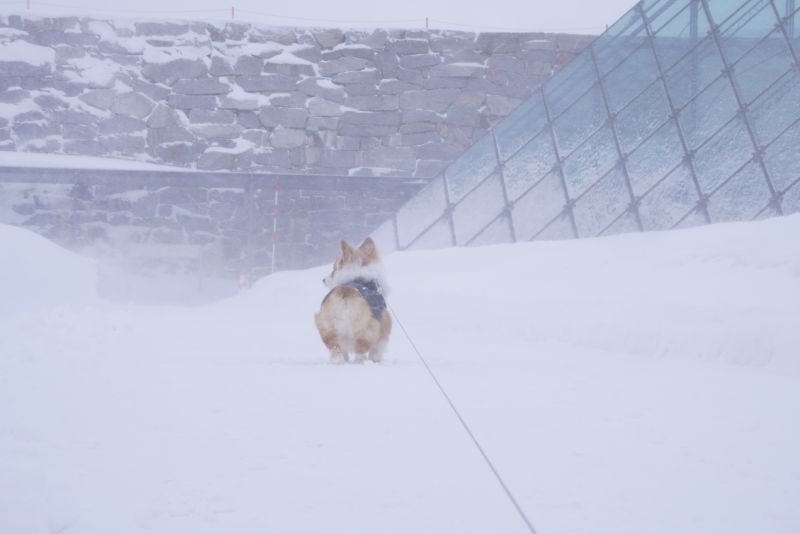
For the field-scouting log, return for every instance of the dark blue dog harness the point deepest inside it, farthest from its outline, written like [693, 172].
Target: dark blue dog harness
[369, 291]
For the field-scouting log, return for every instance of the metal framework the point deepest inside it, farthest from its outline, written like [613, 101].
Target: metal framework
[684, 112]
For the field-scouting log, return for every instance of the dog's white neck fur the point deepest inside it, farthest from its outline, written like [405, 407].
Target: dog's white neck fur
[373, 272]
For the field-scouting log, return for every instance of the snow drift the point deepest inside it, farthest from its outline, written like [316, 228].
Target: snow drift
[728, 292]
[636, 383]
[35, 273]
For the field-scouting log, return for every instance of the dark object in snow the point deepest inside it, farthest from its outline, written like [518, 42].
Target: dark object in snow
[370, 291]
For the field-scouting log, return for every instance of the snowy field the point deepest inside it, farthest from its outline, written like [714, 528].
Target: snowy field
[645, 383]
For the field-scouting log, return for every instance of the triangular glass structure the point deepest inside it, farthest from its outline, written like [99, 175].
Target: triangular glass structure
[684, 112]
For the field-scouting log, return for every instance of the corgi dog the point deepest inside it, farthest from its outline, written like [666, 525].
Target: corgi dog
[353, 317]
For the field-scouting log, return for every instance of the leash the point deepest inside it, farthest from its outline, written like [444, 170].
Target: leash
[465, 425]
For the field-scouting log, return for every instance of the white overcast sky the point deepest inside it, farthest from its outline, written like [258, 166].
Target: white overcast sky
[575, 16]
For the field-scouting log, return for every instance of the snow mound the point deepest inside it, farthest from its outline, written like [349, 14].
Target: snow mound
[66, 161]
[727, 292]
[35, 273]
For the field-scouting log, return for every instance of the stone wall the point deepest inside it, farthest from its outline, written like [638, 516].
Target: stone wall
[242, 97]
[215, 223]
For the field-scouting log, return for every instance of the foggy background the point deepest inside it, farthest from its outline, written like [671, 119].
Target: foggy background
[569, 16]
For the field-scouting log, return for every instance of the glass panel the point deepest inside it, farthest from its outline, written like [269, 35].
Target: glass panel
[706, 114]
[601, 204]
[644, 115]
[437, 236]
[538, 207]
[421, 211]
[655, 158]
[624, 225]
[763, 65]
[590, 162]
[661, 12]
[668, 201]
[580, 121]
[619, 41]
[628, 80]
[778, 108]
[783, 159]
[675, 38]
[560, 228]
[523, 123]
[766, 213]
[791, 200]
[569, 83]
[726, 12]
[629, 23]
[741, 33]
[723, 155]
[529, 165]
[695, 218]
[497, 232]
[694, 72]
[478, 209]
[384, 237]
[741, 197]
[478, 162]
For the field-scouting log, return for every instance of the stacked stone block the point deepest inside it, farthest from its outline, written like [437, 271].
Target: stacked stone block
[240, 97]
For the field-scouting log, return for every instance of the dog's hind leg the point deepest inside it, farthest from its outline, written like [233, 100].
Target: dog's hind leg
[338, 355]
[377, 352]
[362, 349]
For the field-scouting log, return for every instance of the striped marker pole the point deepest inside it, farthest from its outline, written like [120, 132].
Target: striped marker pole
[275, 220]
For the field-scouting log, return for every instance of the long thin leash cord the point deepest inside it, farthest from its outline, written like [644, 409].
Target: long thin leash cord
[465, 425]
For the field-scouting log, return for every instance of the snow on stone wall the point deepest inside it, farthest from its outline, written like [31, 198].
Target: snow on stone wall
[243, 97]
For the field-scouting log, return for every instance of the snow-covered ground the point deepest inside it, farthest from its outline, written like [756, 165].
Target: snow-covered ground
[637, 383]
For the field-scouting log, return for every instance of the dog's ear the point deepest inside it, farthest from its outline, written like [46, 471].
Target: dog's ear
[347, 250]
[368, 248]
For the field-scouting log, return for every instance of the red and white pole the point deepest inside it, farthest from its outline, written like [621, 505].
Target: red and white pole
[275, 220]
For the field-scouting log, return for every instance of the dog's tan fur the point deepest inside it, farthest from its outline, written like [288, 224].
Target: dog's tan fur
[345, 320]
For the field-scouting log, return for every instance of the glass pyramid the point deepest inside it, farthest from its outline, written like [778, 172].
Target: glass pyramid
[684, 112]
